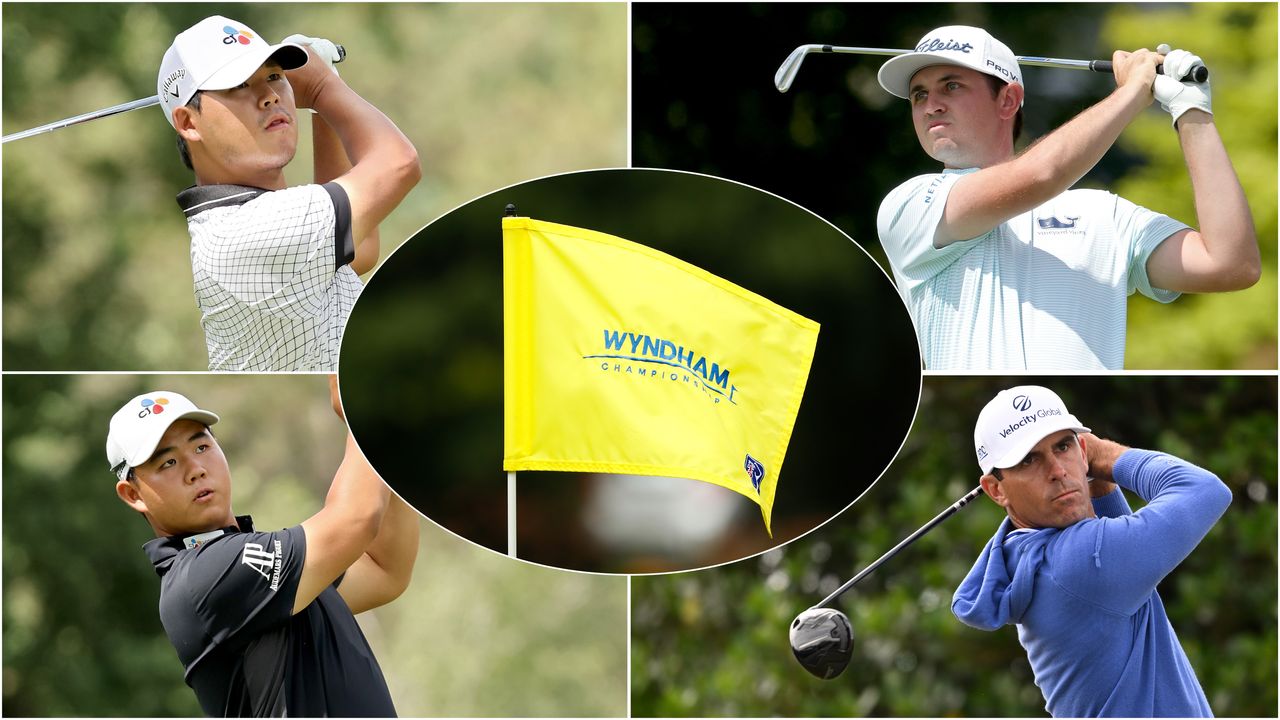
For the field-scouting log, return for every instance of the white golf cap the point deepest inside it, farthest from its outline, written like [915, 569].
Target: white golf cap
[137, 427]
[1015, 420]
[962, 45]
[215, 54]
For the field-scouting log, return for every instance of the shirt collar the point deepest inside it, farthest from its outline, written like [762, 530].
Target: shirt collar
[162, 551]
[198, 198]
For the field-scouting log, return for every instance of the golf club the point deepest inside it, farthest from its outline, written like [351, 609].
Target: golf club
[105, 112]
[787, 71]
[821, 637]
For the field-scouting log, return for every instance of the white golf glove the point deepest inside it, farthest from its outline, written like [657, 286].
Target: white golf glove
[1176, 95]
[326, 49]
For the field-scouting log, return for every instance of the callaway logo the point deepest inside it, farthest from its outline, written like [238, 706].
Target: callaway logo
[266, 564]
[690, 367]
[936, 45]
[172, 81]
[1053, 223]
[755, 471]
[236, 36]
[152, 407]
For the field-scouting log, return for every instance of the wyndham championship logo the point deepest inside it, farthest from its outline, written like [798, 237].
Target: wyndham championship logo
[755, 471]
[633, 353]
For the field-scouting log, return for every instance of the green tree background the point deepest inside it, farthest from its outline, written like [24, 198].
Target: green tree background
[476, 634]
[97, 272]
[837, 143]
[714, 643]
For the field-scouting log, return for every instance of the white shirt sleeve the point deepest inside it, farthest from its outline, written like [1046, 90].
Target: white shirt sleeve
[907, 222]
[1145, 230]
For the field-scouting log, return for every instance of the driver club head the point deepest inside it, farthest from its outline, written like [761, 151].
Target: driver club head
[822, 640]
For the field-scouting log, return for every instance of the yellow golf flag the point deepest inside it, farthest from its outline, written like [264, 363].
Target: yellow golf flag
[618, 358]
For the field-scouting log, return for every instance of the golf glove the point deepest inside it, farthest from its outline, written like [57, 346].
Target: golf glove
[326, 49]
[1174, 94]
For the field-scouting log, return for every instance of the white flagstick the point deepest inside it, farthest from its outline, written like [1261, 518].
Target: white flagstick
[511, 514]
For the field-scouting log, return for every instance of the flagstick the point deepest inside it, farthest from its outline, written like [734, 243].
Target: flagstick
[511, 514]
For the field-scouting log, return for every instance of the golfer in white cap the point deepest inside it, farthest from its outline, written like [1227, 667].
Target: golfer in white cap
[262, 621]
[1075, 569]
[1002, 265]
[276, 268]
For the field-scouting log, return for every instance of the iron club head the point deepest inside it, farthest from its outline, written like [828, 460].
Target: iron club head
[822, 640]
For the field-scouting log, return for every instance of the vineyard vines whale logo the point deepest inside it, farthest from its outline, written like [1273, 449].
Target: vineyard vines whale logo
[1057, 223]
[755, 471]
[637, 354]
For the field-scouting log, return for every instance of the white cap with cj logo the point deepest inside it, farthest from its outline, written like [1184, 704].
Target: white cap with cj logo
[962, 45]
[216, 53]
[1015, 420]
[137, 427]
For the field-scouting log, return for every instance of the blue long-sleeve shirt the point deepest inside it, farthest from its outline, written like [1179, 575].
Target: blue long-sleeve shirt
[1084, 597]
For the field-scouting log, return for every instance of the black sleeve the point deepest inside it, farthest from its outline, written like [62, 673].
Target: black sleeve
[344, 245]
[248, 581]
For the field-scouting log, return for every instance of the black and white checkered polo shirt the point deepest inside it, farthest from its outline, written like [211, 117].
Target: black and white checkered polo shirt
[272, 275]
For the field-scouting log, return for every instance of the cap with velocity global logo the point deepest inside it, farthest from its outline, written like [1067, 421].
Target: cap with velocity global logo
[216, 53]
[137, 427]
[1015, 420]
[962, 45]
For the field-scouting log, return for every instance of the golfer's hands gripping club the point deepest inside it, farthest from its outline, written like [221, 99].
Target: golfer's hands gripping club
[328, 51]
[1101, 455]
[1176, 90]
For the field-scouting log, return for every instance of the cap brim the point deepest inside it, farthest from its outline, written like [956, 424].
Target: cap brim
[895, 75]
[1028, 441]
[290, 56]
[147, 448]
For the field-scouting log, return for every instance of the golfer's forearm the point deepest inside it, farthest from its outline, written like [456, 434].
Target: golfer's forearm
[329, 158]
[1226, 225]
[357, 494]
[367, 135]
[1061, 158]
[396, 546]
[993, 195]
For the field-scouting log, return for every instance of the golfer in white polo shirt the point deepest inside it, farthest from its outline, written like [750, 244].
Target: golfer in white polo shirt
[1001, 264]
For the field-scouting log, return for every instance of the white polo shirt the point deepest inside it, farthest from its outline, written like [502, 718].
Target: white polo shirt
[272, 275]
[1045, 291]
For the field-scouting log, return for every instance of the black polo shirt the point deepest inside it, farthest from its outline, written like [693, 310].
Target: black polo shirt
[225, 604]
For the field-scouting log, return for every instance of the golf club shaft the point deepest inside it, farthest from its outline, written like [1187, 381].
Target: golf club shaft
[787, 71]
[905, 542]
[105, 112]
[108, 112]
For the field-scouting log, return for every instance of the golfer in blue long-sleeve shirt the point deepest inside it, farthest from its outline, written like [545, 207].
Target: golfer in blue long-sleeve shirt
[1076, 570]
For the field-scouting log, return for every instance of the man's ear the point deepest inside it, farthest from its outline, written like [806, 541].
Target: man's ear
[128, 493]
[994, 490]
[184, 121]
[1009, 100]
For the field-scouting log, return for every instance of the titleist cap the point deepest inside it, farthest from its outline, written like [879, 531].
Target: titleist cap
[962, 45]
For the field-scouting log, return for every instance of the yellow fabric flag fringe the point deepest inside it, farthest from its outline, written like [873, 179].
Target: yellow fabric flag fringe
[618, 358]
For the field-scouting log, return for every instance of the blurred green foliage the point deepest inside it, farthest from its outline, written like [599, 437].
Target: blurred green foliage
[714, 643]
[97, 272]
[476, 634]
[836, 142]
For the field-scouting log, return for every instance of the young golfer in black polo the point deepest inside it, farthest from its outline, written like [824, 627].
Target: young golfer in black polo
[262, 621]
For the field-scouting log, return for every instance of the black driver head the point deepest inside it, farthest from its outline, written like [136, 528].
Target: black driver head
[822, 640]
